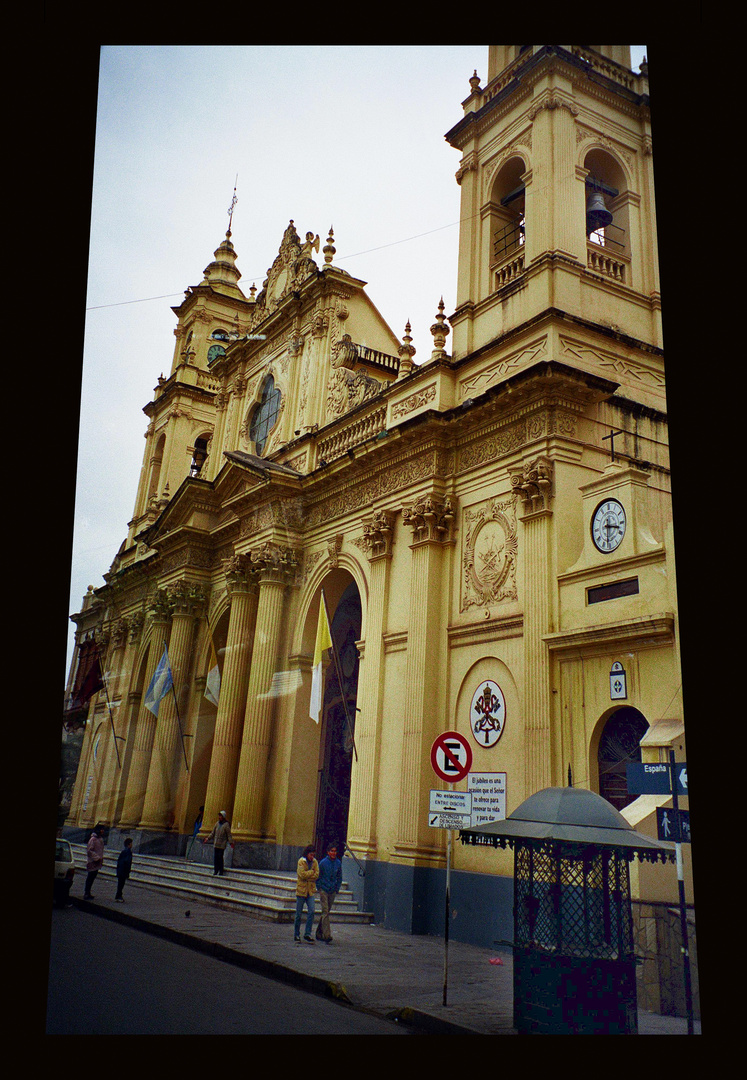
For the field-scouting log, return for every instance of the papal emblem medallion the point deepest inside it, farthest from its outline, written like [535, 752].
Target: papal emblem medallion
[488, 713]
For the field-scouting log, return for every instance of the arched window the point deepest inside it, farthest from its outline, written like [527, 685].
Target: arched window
[619, 744]
[265, 415]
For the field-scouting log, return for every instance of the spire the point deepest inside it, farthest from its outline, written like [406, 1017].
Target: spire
[222, 273]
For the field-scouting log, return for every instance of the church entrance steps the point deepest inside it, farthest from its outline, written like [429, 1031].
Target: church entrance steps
[262, 894]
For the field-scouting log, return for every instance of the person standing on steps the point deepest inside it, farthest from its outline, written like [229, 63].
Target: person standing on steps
[124, 866]
[328, 884]
[221, 838]
[307, 873]
[94, 859]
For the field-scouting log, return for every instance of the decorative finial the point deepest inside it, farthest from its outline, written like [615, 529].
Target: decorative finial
[234, 200]
[475, 82]
[406, 353]
[440, 332]
[329, 248]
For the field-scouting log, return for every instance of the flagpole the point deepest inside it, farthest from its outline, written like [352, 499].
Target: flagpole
[339, 675]
[179, 722]
[109, 707]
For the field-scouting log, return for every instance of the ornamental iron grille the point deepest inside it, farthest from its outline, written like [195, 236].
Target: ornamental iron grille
[573, 900]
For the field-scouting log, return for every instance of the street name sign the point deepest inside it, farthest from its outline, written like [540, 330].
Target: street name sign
[451, 756]
[488, 797]
[655, 778]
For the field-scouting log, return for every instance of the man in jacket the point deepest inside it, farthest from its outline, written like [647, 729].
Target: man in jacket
[124, 866]
[94, 859]
[328, 884]
[221, 838]
[307, 873]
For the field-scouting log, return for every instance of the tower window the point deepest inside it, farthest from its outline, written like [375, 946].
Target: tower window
[220, 335]
[198, 457]
[265, 415]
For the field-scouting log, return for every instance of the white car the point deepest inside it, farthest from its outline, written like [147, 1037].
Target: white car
[64, 871]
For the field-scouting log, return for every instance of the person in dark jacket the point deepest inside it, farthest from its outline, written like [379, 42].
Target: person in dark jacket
[328, 885]
[94, 859]
[124, 866]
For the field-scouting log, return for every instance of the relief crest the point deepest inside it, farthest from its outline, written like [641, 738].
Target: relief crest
[490, 549]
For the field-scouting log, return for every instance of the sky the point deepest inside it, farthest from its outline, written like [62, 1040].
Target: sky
[348, 137]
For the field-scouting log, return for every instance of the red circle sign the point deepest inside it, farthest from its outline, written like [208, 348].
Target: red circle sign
[451, 757]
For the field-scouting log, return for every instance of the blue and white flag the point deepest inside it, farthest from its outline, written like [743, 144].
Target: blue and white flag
[160, 684]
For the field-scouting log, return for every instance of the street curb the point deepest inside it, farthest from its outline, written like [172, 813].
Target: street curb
[268, 968]
[414, 1018]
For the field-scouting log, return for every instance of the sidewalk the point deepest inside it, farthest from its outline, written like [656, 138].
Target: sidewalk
[376, 970]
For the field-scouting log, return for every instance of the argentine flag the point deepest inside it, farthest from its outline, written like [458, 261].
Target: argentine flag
[160, 684]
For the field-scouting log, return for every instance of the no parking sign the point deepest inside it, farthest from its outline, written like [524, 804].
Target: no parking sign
[451, 757]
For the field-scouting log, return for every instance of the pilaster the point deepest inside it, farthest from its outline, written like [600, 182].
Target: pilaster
[534, 483]
[378, 538]
[431, 520]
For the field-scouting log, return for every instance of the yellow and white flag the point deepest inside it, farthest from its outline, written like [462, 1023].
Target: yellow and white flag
[323, 641]
[212, 682]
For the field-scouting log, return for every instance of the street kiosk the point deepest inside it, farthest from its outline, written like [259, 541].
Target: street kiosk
[574, 966]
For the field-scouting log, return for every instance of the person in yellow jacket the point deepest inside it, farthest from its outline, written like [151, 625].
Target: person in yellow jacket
[308, 872]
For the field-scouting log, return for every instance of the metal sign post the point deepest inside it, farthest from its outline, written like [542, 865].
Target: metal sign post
[446, 913]
[683, 909]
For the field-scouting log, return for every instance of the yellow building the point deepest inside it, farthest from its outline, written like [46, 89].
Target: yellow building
[490, 526]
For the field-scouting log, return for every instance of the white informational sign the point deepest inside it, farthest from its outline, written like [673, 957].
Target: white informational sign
[488, 792]
[450, 809]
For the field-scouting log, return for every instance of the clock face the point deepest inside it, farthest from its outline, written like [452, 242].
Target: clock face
[608, 525]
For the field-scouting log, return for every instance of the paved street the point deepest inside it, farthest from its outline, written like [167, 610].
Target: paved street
[109, 979]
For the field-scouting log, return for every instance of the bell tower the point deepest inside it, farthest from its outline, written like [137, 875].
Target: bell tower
[557, 197]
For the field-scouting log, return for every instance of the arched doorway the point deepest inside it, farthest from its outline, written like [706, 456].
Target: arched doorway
[620, 743]
[338, 725]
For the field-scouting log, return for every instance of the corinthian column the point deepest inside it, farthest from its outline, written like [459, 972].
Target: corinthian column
[145, 729]
[431, 520]
[272, 566]
[362, 821]
[229, 722]
[168, 757]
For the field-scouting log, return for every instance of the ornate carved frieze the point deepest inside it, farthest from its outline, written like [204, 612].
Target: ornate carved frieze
[533, 483]
[491, 446]
[501, 369]
[431, 519]
[414, 401]
[490, 551]
[621, 367]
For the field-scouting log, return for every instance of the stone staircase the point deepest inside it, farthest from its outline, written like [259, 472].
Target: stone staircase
[262, 894]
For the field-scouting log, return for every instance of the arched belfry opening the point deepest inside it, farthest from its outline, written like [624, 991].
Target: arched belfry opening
[607, 212]
[619, 745]
[336, 748]
[507, 220]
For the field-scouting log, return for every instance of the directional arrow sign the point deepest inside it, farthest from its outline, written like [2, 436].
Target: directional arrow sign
[451, 756]
[680, 777]
[451, 802]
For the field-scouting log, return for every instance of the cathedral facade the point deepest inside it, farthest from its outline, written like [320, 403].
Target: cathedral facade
[489, 528]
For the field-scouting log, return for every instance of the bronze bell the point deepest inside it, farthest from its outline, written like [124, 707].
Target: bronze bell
[597, 214]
